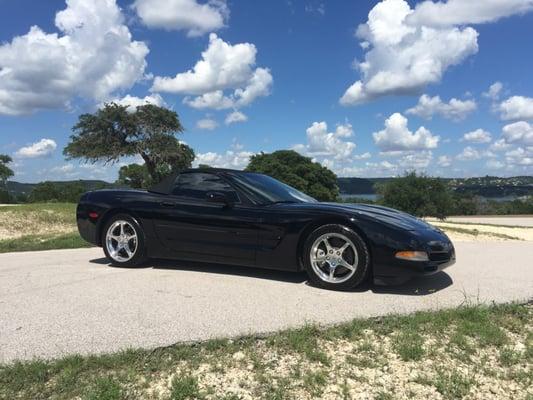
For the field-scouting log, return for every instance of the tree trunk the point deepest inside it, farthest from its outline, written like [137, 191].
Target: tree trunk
[150, 166]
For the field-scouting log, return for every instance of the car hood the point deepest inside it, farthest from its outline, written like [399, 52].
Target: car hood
[385, 215]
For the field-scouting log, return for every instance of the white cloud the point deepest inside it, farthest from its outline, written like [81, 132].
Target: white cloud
[207, 124]
[444, 161]
[133, 102]
[455, 109]
[516, 107]
[92, 56]
[520, 156]
[407, 49]
[494, 164]
[364, 156]
[469, 154]
[321, 143]
[397, 137]
[42, 148]
[460, 12]
[520, 133]
[494, 91]
[188, 15]
[234, 117]
[478, 136]
[499, 145]
[416, 160]
[223, 67]
[230, 159]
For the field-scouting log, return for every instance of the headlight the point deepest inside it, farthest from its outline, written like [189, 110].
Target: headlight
[412, 255]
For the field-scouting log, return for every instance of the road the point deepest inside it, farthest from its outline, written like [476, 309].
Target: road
[54, 303]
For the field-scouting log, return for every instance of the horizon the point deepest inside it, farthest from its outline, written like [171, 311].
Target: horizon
[367, 89]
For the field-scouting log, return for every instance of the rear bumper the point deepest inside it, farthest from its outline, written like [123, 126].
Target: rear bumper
[87, 228]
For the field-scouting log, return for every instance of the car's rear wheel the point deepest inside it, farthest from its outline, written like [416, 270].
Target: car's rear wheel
[336, 257]
[123, 241]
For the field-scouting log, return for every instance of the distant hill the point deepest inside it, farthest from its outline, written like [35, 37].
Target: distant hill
[18, 188]
[487, 186]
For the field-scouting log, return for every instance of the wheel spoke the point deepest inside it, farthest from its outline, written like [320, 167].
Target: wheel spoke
[344, 263]
[122, 228]
[344, 247]
[332, 272]
[327, 245]
[128, 251]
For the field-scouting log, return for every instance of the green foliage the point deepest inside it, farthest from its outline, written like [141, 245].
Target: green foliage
[57, 192]
[135, 176]
[297, 171]
[419, 195]
[114, 132]
[5, 171]
[184, 388]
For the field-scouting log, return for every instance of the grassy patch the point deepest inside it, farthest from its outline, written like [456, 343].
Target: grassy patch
[43, 242]
[475, 232]
[371, 355]
[46, 226]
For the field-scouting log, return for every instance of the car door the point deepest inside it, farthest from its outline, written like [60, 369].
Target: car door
[192, 227]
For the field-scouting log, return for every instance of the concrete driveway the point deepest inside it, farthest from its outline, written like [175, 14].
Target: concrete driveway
[60, 302]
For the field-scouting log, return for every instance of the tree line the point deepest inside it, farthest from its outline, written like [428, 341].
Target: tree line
[150, 132]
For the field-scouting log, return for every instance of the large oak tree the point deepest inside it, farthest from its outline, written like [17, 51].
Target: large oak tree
[114, 132]
[297, 171]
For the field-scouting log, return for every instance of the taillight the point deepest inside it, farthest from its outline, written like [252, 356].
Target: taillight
[93, 215]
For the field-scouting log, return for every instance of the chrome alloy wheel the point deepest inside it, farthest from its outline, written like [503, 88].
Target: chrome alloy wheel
[334, 258]
[121, 241]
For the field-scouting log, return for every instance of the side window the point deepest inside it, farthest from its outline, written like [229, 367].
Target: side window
[196, 185]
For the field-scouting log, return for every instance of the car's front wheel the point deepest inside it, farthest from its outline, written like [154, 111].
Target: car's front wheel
[335, 257]
[123, 241]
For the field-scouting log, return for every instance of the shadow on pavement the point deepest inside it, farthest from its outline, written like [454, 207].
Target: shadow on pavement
[416, 287]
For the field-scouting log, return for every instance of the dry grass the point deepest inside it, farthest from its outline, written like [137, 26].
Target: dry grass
[470, 352]
[37, 219]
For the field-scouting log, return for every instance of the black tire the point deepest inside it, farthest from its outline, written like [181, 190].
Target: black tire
[362, 267]
[139, 255]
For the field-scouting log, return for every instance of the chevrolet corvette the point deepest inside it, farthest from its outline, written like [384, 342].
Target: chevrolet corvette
[242, 218]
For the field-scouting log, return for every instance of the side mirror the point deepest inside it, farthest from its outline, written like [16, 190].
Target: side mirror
[217, 197]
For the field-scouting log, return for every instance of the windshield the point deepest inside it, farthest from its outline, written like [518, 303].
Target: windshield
[267, 190]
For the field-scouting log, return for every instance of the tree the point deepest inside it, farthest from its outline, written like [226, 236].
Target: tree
[297, 171]
[114, 132]
[419, 195]
[5, 171]
[5, 174]
[134, 175]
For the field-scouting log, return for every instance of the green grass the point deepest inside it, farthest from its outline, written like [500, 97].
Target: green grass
[40, 226]
[183, 370]
[43, 242]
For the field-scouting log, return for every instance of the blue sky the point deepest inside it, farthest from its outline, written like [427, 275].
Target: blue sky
[353, 85]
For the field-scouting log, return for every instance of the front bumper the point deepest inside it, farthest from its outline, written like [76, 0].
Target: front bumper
[389, 270]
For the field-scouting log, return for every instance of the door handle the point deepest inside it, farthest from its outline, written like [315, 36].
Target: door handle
[167, 204]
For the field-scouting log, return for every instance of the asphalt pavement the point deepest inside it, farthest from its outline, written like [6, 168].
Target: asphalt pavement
[59, 302]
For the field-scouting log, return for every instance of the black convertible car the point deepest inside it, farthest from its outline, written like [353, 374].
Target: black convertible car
[250, 219]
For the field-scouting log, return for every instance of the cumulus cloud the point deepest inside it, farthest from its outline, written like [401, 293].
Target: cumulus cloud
[321, 143]
[455, 109]
[407, 49]
[469, 154]
[234, 117]
[42, 148]
[397, 137]
[444, 161]
[478, 136]
[91, 57]
[520, 133]
[133, 102]
[223, 67]
[499, 145]
[236, 159]
[494, 164]
[187, 15]
[520, 156]
[516, 107]
[207, 124]
[494, 91]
